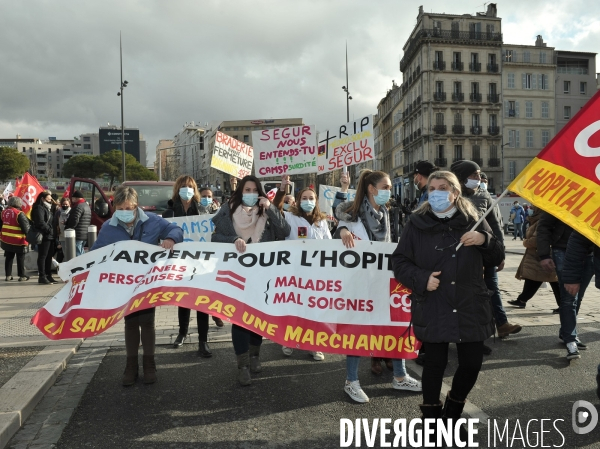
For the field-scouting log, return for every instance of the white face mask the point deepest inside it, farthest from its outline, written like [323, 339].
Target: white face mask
[483, 186]
[472, 183]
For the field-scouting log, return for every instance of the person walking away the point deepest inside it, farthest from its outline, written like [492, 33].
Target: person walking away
[450, 300]
[468, 174]
[13, 238]
[366, 218]
[552, 237]
[518, 214]
[80, 218]
[531, 271]
[42, 217]
[130, 222]
[248, 218]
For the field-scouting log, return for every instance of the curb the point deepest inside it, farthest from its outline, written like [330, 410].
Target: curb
[20, 395]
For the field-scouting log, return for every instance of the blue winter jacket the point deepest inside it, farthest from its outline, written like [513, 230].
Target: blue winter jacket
[148, 229]
[519, 214]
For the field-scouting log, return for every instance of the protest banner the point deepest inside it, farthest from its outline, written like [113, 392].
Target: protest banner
[232, 156]
[28, 190]
[285, 151]
[313, 295]
[196, 228]
[350, 144]
[8, 191]
[564, 178]
[327, 196]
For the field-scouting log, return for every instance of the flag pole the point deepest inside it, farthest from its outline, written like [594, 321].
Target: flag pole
[345, 169]
[494, 204]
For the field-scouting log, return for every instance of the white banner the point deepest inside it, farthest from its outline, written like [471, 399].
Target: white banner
[327, 196]
[350, 144]
[196, 228]
[232, 156]
[285, 151]
[313, 294]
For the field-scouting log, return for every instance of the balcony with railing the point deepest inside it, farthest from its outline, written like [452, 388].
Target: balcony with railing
[512, 113]
[494, 162]
[475, 97]
[458, 129]
[493, 130]
[439, 96]
[439, 65]
[458, 66]
[493, 98]
[439, 129]
[492, 68]
[476, 130]
[475, 66]
[441, 162]
[458, 96]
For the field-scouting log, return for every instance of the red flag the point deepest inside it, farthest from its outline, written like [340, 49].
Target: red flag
[67, 192]
[17, 184]
[28, 190]
[564, 179]
[271, 194]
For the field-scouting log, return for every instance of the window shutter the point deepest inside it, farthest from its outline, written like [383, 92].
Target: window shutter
[516, 108]
[505, 108]
[546, 85]
[514, 56]
[517, 139]
[523, 80]
[540, 81]
[533, 81]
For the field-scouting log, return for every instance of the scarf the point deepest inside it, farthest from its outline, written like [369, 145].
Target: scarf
[248, 224]
[377, 221]
[448, 214]
[47, 205]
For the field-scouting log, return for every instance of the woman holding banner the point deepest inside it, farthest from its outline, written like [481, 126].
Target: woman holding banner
[188, 201]
[450, 300]
[366, 218]
[129, 222]
[248, 217]
[306, 222]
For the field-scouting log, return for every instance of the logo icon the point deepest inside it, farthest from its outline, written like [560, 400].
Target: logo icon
[580, 417]
[76, 292]
[231, 278]
[399, 302]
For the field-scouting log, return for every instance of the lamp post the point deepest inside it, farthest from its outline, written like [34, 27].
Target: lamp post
[348, 98]
[120, 94]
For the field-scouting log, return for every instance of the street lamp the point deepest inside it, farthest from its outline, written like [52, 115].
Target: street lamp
[120, 94]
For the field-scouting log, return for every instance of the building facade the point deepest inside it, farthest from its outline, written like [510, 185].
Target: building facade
[161, 166]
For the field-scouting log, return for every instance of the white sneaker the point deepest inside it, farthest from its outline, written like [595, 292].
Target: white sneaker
[355, 392]
[318, 356]
[287, 351]
[408, 383]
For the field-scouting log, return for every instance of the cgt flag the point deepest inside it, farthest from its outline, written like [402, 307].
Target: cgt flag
[28, 190]
[564, 179]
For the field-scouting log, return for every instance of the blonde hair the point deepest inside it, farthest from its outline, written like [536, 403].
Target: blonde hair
[125, 193]
[183, 181]
[463, 205]
[367, 178]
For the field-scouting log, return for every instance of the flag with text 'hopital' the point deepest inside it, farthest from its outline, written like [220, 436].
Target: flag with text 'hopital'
[564, 179]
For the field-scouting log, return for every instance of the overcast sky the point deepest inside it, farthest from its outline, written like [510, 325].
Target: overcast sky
[226, 60]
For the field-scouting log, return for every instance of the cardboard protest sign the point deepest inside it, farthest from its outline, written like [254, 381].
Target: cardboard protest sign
[314, 295]
[232, 156]
[196, 228]
[285, 151]
[350, 144]
[327, 196]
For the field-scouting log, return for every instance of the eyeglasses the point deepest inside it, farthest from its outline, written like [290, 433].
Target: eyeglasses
[449, 246]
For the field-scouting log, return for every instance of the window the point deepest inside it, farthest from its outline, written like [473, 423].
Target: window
[527, 81]
[513, 138]
[511, 81]
[512, 169]
[439, 87]
[475, 88]
[456, 57]
[86, 138]
[543, 82]
[476, 152]
[526, 56]
[567, 112]
[458, 153]
[439, 151]
[457, 87]
[458, 118]
[475, 119]
[545, 110]
[529, 109]
[529, 138]
[87, 146]
[474, 58]
[437, 28]
[454, 27]
[493, 152]
[58, 166]
[246, 138]
[493, 120]
[439, 118]
[542, 57]
[493, 89]
[567, 87]
[508, 56]
[439, 56]
[511, 109]
[545, 138]
[582, 87]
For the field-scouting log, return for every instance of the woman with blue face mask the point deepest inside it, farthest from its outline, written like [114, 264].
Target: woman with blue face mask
[450, 302]
[247, 218]
[367, 218]
[188, 201]
[306, 222]
[129, 222]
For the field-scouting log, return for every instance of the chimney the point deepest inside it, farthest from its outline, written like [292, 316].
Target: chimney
[420, 12]
[539, 42]
[491, 10]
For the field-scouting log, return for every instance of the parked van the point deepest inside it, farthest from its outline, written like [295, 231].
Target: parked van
[152, 195]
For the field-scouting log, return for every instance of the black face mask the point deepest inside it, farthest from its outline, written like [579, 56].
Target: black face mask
[65, 207]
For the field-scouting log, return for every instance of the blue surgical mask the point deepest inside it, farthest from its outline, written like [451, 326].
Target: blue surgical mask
[286, 206]
[186, 193]
[249, 199]
[206, 201]
[438, 199]
[483, 186]
[126, 216]
[307, 205]
[382, 197]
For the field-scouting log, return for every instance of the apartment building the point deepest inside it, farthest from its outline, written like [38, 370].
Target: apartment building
[164, 152]
[47, 158]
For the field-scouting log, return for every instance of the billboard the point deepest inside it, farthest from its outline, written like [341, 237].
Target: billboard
[110, 139]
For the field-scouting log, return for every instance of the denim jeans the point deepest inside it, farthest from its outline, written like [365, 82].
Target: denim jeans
[243, 338]
[490, 277]
[518, 229]
[569, 304]
[79, 247]
[352, 362]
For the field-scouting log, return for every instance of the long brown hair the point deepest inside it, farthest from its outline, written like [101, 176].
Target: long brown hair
[316, 214]
[367, 178]
[183, 181]
[463, 205]
[236, 197]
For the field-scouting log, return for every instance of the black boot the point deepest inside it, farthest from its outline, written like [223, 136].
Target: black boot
[204, 350]
[51, 279]
[255, 366]
[42, 280]
[452, 410]
[432, 412]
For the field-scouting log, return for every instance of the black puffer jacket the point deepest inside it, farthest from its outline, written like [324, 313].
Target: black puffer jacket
[42, 218]
[578, 249]
[459, 310]
[551, 233]
[482, 201]
[79, 219]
